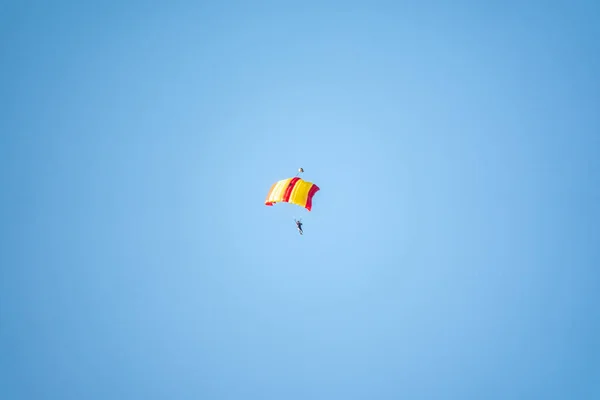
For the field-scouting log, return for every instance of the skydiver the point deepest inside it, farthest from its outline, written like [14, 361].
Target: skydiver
[299, 225]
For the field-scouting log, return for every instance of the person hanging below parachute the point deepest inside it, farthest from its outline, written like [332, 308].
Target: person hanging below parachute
[299, 225]
[295, 191]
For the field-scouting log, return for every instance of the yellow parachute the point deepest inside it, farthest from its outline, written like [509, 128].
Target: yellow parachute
[292, 190]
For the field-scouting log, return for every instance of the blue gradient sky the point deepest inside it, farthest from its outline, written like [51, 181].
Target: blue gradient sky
[452, 252]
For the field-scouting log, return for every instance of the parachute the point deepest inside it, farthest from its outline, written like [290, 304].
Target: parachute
[292, 190]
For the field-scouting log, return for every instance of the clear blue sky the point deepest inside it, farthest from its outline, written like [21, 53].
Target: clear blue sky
[453, 251]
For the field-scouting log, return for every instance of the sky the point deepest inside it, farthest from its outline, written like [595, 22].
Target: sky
[451, 253]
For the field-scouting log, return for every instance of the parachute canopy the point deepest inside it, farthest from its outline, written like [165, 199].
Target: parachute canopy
[292, 190]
